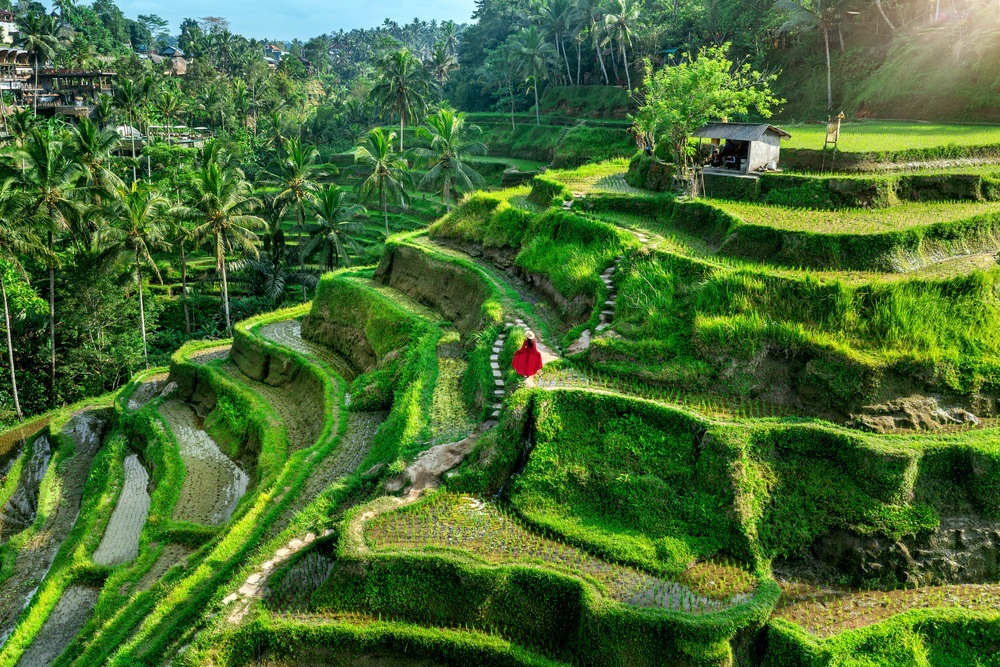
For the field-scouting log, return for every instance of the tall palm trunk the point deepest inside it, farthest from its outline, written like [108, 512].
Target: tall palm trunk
[221, 264]
[534, 72]
[600, 59]
[579, 60]
[878, 4]
[829, 76]
[10, 351]
[628, 77]
[184, 290]
[444, 195]
[52, 322]
[385, 209]
[302, 246]
[569, 73]
[402, 119]
[36, 85]
[142, 309]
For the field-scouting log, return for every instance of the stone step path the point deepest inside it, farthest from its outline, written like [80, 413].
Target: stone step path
[499, 386]
[582, 344]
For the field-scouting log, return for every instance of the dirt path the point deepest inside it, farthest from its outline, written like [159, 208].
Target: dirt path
[213, 484]
[120, 543]
[34, 558]
[59, 629]
[289, 334]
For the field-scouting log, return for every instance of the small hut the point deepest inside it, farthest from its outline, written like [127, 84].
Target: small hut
[751, 146]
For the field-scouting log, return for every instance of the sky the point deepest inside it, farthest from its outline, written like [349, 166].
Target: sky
[287, 19]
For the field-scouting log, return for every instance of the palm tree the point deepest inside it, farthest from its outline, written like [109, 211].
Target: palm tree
[183, 232]
[535, 53]
[47, 181]
[16, 243]
[447, 156]
[104, 110]
[223, 203]
[38, 37]
[620, 18]
[93, 147]
[170, 104]
[336, 221]
[449, 36]
[821, 15]
[402, 86]
[293, 175]
[557, 17]
[139, 224]
[441, 64]
[592, 14]
[388, 171]
[128, 97]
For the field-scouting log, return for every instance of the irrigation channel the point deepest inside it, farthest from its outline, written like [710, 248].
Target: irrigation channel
[213, 484]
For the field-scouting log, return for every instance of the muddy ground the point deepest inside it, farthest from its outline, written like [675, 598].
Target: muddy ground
[120, 543]
[66, 619]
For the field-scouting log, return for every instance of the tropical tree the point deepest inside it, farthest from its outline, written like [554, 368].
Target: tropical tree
[592, 15]
[17, 242]
[47, 180]
[93, 147]
[222, 203]
[820, 15]
[535, 53]
[171, 105]
[37, 36]
[402, 86]
[389, 171]
[557, 18]
[449, 36]
[441, 64]
[138, 225]
[502, 72]
[447, 158]
[336, 224]
[619, 20]
[128, 98]
[293, 176]
[707, 86]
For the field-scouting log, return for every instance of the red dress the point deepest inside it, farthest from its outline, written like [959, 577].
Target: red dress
[527, 360]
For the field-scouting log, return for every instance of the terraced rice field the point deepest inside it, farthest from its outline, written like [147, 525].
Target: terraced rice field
[120, 543]
[450, 420]
[12, 441]
[147, 391]
[480, 528]
[34, 558]
[288, 333]
[213, 484]
[65, 620]
[354, 446]
[857, 221]
[827, 611]
[171, 555]
[211, 354]
[302, 414]
[293, 593]
[883, 135]
[19, 511]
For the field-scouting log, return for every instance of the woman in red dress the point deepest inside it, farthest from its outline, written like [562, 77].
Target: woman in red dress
[528, 360]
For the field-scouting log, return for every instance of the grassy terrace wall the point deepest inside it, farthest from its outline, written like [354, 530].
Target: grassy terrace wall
[462, 294]
[562, 254]
[898, 248]
[556, 615]
[805, 159]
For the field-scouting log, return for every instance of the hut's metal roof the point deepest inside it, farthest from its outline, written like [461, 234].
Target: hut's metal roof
[739, 131]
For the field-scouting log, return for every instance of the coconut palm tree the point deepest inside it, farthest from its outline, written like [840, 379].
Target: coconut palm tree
[128, 98]
[447, 156]
[336, 222]
[441, 64]
[170, 104]
[293, 176]
[93, 147]
[535, 54]
[449, 36]
[138, 225]
[222, 203]
[37, 36]
[47, 179]
[17, 242]
[389, 171]
[557, 18]
[618, 21]
[402, 86]
[592, 15]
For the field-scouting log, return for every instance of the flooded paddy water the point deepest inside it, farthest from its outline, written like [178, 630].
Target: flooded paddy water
[213, 484]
